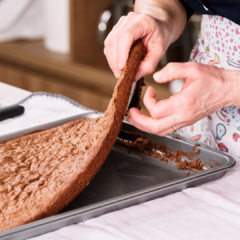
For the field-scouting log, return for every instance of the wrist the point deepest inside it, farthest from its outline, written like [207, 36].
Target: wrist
[231, 87]
[171, 14]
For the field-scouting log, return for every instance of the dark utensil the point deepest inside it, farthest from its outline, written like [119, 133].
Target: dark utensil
[9, 112]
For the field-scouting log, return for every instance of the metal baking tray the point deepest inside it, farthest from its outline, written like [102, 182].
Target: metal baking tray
[126, 178]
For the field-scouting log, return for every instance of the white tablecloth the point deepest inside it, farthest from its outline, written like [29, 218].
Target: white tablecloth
[210, 211]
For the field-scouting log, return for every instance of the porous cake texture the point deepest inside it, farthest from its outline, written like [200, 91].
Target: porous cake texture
[42, 172]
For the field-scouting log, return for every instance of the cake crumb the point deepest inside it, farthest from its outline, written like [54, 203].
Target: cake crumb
[196, 145]
[138, 142]
[176, 137]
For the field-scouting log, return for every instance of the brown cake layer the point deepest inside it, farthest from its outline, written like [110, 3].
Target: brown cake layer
[42, 172]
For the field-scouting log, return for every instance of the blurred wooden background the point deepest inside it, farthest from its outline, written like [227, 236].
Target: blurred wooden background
[83, 75]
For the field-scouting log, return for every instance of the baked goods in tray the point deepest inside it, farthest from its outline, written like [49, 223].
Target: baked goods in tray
[42, 172]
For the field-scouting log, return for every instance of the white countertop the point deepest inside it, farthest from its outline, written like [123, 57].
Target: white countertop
[210, 211]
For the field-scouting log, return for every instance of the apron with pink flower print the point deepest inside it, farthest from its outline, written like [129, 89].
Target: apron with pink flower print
[218, 44]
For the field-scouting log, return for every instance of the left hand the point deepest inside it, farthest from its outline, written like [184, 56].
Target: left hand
[206, 90]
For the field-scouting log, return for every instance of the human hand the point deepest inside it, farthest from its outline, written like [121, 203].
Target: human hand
[206, 90]
[156, 37]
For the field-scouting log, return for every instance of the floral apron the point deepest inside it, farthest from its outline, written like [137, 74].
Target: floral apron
[218, 44]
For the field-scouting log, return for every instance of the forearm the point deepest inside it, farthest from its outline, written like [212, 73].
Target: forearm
[170, 12]
[232, 87]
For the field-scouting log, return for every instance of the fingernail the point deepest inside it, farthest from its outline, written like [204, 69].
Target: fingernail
[120, 64]
[116, 73]
[157, 75]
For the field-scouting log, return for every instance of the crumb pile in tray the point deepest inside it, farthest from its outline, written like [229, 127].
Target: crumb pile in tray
[184, 160]
[42, 172]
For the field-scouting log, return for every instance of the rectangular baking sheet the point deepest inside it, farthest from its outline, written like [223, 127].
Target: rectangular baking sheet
[126, 178]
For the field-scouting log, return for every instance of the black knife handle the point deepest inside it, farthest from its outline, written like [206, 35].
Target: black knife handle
[10, 112]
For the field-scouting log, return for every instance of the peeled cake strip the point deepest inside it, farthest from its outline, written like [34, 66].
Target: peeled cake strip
[42, 172]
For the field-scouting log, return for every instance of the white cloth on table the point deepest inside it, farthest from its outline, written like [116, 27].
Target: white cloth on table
[42, 108]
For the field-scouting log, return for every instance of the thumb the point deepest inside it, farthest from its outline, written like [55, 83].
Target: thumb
[171, 71]
[150, 100]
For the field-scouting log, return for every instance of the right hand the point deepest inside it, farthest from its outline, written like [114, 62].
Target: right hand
[156, 36]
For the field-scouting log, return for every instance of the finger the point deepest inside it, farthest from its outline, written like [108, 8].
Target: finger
[167, 107]
[148, 124]
[133, 30]
[138, 26]
[150, 62]
[150, 100]
[117, 25]
[172, 71]
[171, 129]
[120, 40]
[163, 108]
[111, 46]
